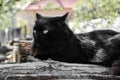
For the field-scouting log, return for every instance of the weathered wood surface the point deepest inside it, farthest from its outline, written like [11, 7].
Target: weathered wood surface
[53, 70]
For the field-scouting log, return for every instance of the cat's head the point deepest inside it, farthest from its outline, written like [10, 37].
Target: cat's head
[51, 28]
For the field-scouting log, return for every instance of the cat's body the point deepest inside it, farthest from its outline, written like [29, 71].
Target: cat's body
[96, 46]
[53, 39]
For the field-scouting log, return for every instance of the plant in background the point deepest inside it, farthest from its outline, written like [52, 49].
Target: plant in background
[22, 23]
[52, 6]
[8, 9]
[86, 10]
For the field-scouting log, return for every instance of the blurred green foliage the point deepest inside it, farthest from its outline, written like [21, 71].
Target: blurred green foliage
[93, 9]
[8, 9]
[85, 10]
[51, 6]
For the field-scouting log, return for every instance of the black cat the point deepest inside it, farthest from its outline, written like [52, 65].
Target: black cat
[53, 39]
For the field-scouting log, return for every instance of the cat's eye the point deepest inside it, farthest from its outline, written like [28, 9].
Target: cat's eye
[45, 31]
[34, 31]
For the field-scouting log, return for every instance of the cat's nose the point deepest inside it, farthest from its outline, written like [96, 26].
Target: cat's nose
[45, 31]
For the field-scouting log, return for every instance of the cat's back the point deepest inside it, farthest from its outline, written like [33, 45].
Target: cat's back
[97, 35]
[95, 39]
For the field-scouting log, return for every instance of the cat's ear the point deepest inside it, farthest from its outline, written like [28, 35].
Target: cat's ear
[38, 16]
[64, 16]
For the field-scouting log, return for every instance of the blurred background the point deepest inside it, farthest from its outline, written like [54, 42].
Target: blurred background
[17, 16]
[17, 19]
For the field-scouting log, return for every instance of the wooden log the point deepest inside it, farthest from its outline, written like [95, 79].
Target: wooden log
[52, 70]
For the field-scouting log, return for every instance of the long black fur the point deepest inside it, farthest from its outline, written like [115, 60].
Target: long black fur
[53, 39]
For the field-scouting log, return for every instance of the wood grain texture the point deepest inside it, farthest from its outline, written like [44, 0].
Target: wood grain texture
[53, 70]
